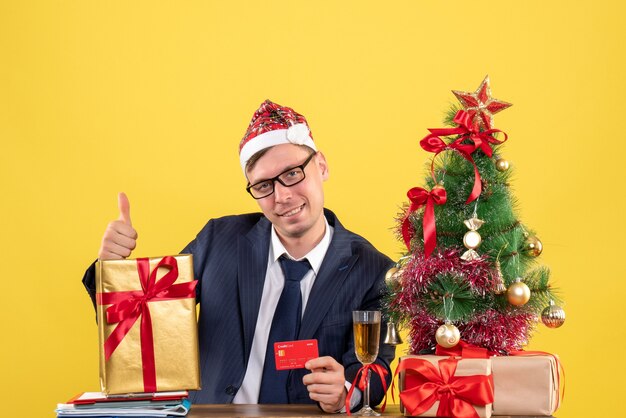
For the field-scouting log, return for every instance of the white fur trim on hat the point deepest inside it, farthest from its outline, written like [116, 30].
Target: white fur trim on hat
[296, 134]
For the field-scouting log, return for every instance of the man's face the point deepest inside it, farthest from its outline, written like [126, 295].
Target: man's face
[295, 211]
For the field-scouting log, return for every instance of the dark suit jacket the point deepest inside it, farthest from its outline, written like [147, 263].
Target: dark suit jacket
[230, 261]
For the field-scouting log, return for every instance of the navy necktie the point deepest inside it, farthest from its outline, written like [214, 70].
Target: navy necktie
[285, 327]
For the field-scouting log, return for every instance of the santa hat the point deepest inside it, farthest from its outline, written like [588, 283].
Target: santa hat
[273, 124]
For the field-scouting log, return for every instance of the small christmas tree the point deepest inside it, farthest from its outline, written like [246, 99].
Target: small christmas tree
[471, 268]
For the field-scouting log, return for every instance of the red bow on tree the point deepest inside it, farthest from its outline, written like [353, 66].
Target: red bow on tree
[420, 197]
[482, 140]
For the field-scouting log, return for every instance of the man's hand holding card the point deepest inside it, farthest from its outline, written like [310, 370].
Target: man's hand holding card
[325, 383]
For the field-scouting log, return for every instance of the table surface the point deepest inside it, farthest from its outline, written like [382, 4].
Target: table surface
[293, 410]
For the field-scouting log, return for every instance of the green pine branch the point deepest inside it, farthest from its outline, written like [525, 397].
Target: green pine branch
[449, 297]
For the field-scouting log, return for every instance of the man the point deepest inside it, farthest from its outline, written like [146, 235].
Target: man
[245, 266]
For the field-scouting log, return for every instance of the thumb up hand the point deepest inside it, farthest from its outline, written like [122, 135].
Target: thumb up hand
[120, 238]
[124, 207]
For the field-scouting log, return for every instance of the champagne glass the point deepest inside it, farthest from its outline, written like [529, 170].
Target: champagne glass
[366, 340]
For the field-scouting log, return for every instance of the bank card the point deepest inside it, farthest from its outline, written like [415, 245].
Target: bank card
[293, 354]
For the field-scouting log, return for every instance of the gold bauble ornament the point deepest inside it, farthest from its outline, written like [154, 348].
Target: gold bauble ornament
[553, 316]
[390, 276]
[502, 164]
[518, 293]
[447, 335]
[532, 246]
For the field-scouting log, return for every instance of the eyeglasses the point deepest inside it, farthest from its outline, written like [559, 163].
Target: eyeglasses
[287, 178]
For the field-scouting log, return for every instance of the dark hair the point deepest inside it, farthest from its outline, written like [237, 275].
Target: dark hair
[257, 155]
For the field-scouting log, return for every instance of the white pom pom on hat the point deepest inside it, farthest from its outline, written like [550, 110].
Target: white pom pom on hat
[298, 133]
[273, 124]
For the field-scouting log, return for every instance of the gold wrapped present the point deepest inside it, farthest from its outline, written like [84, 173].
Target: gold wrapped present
[147, 325]
[445, 386]
[526, 384]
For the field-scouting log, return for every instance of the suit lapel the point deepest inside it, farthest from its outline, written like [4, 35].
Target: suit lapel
[253, 250]
[334, 270]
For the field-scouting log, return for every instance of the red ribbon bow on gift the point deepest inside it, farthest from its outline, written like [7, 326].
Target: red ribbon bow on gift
[363, 373]
[456, 394]
[482, 140]
[420, 197]
[127, 306]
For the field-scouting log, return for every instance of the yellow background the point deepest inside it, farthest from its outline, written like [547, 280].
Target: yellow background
[152, 98]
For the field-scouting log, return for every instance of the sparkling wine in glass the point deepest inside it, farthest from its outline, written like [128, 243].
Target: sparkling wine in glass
[366, 341]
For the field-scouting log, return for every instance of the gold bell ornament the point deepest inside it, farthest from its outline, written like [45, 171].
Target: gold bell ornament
[392, 278]
[392, 337]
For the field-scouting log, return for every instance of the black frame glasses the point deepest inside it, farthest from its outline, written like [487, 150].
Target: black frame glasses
[282, 178]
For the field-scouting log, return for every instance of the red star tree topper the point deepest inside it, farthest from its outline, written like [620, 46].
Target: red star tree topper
[480, 105]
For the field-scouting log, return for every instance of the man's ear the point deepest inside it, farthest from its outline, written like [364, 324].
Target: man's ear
[323, 165]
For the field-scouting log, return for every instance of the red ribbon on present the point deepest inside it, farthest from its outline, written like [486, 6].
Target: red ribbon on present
[362, 381]
[420, 197]
[466, 130]
[456, 394]
[464, 350]
[127, 306]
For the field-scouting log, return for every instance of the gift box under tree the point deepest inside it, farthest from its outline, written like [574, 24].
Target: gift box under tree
[527, 383]
[445, 386]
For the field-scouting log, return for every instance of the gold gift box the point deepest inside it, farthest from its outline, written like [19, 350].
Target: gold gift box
[525, 385]
[465, 367]
[174, 329]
